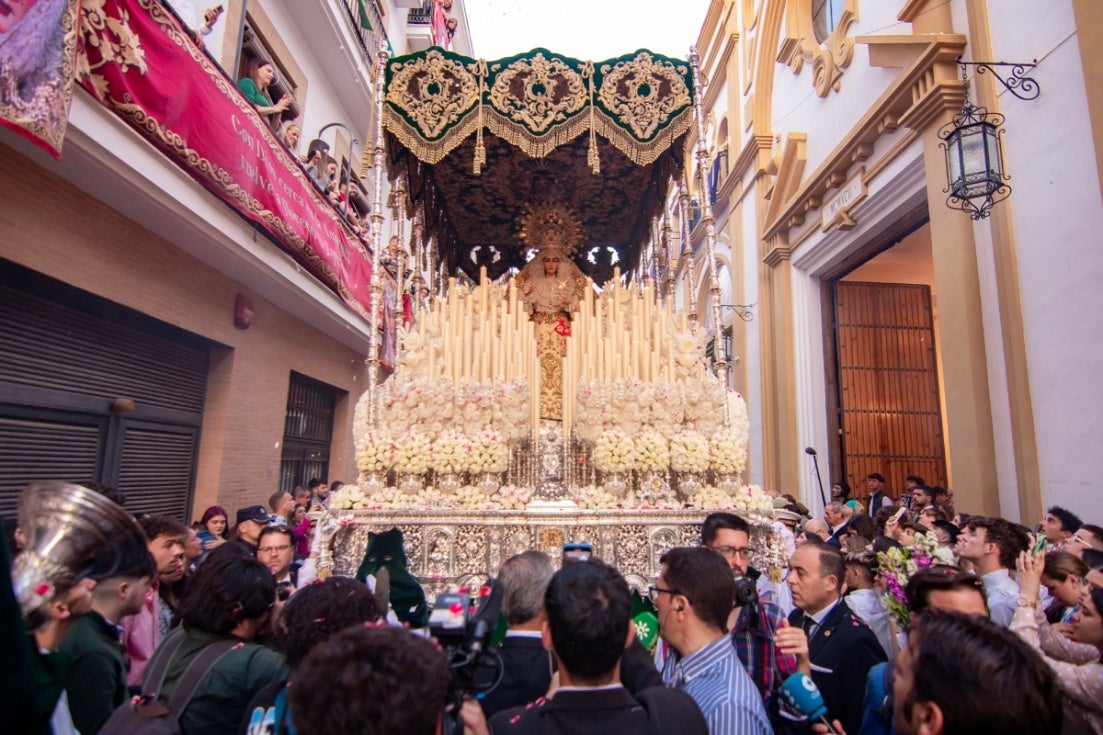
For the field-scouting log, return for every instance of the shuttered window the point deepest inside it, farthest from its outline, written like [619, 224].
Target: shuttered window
[308, 429]
[67, 356]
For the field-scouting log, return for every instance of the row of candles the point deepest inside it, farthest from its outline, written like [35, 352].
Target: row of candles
[618, 332]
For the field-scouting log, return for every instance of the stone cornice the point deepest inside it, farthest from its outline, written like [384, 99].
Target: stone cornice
[924, 90]
[755, 153]
[721, 67]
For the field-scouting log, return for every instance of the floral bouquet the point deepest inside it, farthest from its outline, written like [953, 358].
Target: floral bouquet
[349, 497]
[689, 452]
[450, 452]
[374, 452]
[596, 498]
[489, 453]
[512, 497]
[897, 565]
[412, 453]
[614, 452]
[711, 498]
[652, 451]
[667, 409]
[753, 499]
[727, 453]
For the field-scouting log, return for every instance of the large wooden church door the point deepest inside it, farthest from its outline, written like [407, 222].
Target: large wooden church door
[890, 414]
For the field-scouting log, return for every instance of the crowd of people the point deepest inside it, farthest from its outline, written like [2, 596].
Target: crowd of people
[229, 629]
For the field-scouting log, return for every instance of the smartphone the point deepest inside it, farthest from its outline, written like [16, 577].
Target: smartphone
[1040, 544]
[577, 552]
[899, 514]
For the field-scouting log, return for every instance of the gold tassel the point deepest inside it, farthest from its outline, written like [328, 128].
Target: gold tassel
[480, 149]
[592, 156]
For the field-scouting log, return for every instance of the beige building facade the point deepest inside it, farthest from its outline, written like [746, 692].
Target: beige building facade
[890, 332]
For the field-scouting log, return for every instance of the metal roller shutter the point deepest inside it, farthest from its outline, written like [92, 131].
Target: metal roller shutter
[65, 357]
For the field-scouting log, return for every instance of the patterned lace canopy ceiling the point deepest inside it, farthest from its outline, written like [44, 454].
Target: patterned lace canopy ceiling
[481, 143]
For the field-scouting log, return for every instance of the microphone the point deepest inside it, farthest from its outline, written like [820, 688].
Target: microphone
[819, 481]
[801, 696]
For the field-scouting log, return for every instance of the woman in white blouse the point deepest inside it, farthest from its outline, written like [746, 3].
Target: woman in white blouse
[1078, 662]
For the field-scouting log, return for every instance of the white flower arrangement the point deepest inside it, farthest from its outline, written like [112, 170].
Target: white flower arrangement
[753, 499]
[489, 452]
[727, 453]
[614, 452]
[450, 452]
[412, 452]
[596, 498]
[652, 451]
[374, 452]
[711, 498]
[349, 497]
[512, 497]
[689, 452]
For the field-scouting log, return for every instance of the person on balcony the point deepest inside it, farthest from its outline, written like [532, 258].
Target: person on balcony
[259, 75]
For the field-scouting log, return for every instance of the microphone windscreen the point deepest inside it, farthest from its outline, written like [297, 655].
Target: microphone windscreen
[801, 696]
[810, 450]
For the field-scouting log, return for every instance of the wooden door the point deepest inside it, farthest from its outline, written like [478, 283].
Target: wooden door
[890, 413]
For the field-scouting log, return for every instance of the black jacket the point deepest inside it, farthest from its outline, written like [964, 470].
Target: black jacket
[653, 711]
[843, 650]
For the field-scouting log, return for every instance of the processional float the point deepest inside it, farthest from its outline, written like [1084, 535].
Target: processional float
[548, 388]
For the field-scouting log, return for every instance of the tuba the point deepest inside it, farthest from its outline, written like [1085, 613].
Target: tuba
[71, 533]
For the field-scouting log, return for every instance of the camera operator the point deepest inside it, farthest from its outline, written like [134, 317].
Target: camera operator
[753, 621]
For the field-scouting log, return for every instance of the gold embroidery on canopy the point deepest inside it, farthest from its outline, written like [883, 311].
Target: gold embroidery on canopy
[433, 91]
[538, 92]
[634, 92]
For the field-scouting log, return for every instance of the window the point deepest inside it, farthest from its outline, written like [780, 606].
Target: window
[825, 17]
[308, 429]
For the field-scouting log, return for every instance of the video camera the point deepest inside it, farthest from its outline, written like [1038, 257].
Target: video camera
[463, 628]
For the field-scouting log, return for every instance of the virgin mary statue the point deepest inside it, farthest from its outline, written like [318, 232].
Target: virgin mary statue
[551, 287]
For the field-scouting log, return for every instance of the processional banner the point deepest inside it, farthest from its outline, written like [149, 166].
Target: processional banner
[37, 47]
[137, 60]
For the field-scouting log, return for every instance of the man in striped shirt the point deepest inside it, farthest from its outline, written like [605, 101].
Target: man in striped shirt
[693, 598]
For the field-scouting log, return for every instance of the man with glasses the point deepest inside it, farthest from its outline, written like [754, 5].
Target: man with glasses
[693, 600]
[276, 550]
[752, 625]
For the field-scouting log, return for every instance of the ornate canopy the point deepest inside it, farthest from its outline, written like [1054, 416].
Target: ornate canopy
[486, 147]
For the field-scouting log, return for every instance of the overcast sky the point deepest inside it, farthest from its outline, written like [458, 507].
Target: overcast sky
[585, 29]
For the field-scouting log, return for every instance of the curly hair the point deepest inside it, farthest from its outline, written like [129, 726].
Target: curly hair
[1010, 538]
[320, 610]
[370, 681]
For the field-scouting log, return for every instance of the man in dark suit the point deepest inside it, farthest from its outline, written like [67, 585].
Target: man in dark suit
[526, 666]
[836, 524]
[831, 644]
[589, 610]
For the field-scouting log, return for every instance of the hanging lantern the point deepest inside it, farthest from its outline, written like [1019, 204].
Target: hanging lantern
[974, 161]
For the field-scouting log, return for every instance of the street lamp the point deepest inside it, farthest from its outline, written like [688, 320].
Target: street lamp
[975, 174]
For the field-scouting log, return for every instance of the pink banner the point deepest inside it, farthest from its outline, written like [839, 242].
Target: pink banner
[136, 59]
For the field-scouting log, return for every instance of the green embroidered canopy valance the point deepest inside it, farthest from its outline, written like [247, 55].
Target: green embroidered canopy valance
[481, 143]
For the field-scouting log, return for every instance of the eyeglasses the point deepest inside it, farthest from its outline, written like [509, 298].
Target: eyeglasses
[270, 549]
[653, 592]
[730, 552]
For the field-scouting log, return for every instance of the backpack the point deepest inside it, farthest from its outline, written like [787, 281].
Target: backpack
[144, 715]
